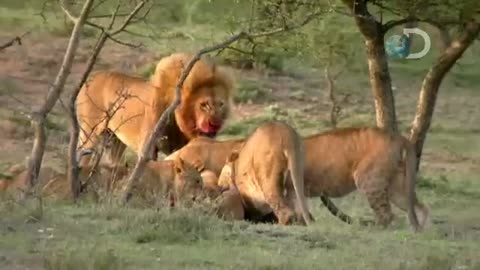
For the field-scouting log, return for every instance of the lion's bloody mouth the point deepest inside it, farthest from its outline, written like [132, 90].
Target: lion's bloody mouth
[210, 128]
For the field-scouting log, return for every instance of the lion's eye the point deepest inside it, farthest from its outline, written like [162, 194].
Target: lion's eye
[204, 105]
[220, 104]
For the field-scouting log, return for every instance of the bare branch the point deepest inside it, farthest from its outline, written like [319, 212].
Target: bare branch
[103, 16]
[440, 25]
[124, 43]
[393, 23]
[129, 18]
[114, 15]
[17, 39]
[286, 28]
[67, 12]
[101, 2]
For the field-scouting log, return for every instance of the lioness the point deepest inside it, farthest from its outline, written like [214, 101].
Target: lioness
[268, 173]
[129, 106]
[51, 183]
[339, 161]
[176, 180]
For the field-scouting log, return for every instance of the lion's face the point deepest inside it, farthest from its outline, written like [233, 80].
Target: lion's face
[188, 184]
[211, 110]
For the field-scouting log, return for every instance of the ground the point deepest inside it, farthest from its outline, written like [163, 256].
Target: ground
[88, 236]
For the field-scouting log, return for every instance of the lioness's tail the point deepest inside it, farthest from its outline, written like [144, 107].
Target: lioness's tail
[411, 171]
[296, 163]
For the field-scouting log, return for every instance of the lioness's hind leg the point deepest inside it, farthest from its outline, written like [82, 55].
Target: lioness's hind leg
[378, 200]
[370, 180]
[275, 198]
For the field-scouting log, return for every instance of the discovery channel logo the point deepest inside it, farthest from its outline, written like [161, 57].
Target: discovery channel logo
[397, 46]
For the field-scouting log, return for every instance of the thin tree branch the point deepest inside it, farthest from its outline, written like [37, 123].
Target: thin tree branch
[17, 39]
[124, 43]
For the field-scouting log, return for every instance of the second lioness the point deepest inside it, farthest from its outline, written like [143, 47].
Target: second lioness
[268, 173]
[339, 161]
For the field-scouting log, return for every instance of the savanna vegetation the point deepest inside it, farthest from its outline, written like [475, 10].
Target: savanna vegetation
[315, 64]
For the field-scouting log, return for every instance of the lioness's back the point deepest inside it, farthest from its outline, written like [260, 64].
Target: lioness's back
[272, 136]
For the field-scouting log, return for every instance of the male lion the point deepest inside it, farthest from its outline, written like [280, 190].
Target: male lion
[339, 161]
[129, 107]
[268, 173]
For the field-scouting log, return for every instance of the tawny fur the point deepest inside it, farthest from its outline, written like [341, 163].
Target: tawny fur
[178, 179]
[227, 204]
[130, 106]
[339, 162]
[175, 180]
[268, 173]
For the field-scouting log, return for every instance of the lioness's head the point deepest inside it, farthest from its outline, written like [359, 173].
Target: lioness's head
[188, 184]
[207, 94]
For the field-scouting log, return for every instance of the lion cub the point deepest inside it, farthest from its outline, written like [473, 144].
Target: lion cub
[268, 173]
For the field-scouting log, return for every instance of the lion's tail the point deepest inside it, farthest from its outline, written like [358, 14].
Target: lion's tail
[296, 162]
[410, 170]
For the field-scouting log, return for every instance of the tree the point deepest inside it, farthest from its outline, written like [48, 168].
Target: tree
[380, 79]
[442, 14]
[432, 81]
[38, 118]
[330, 44]
[54, 92]
[106, 33]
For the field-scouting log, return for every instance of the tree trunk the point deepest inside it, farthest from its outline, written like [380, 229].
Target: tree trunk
[331, 95]
[379, 75]
[38, 118]
[432, 82]
[73, 156]
[381, 83]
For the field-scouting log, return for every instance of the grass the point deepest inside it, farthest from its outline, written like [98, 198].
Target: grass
[107, 237]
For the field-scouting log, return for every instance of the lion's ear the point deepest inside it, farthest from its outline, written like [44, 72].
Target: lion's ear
[233, 156]
[198, 165]
[179, 165]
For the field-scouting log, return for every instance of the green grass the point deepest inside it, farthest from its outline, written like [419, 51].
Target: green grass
[108, 237]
